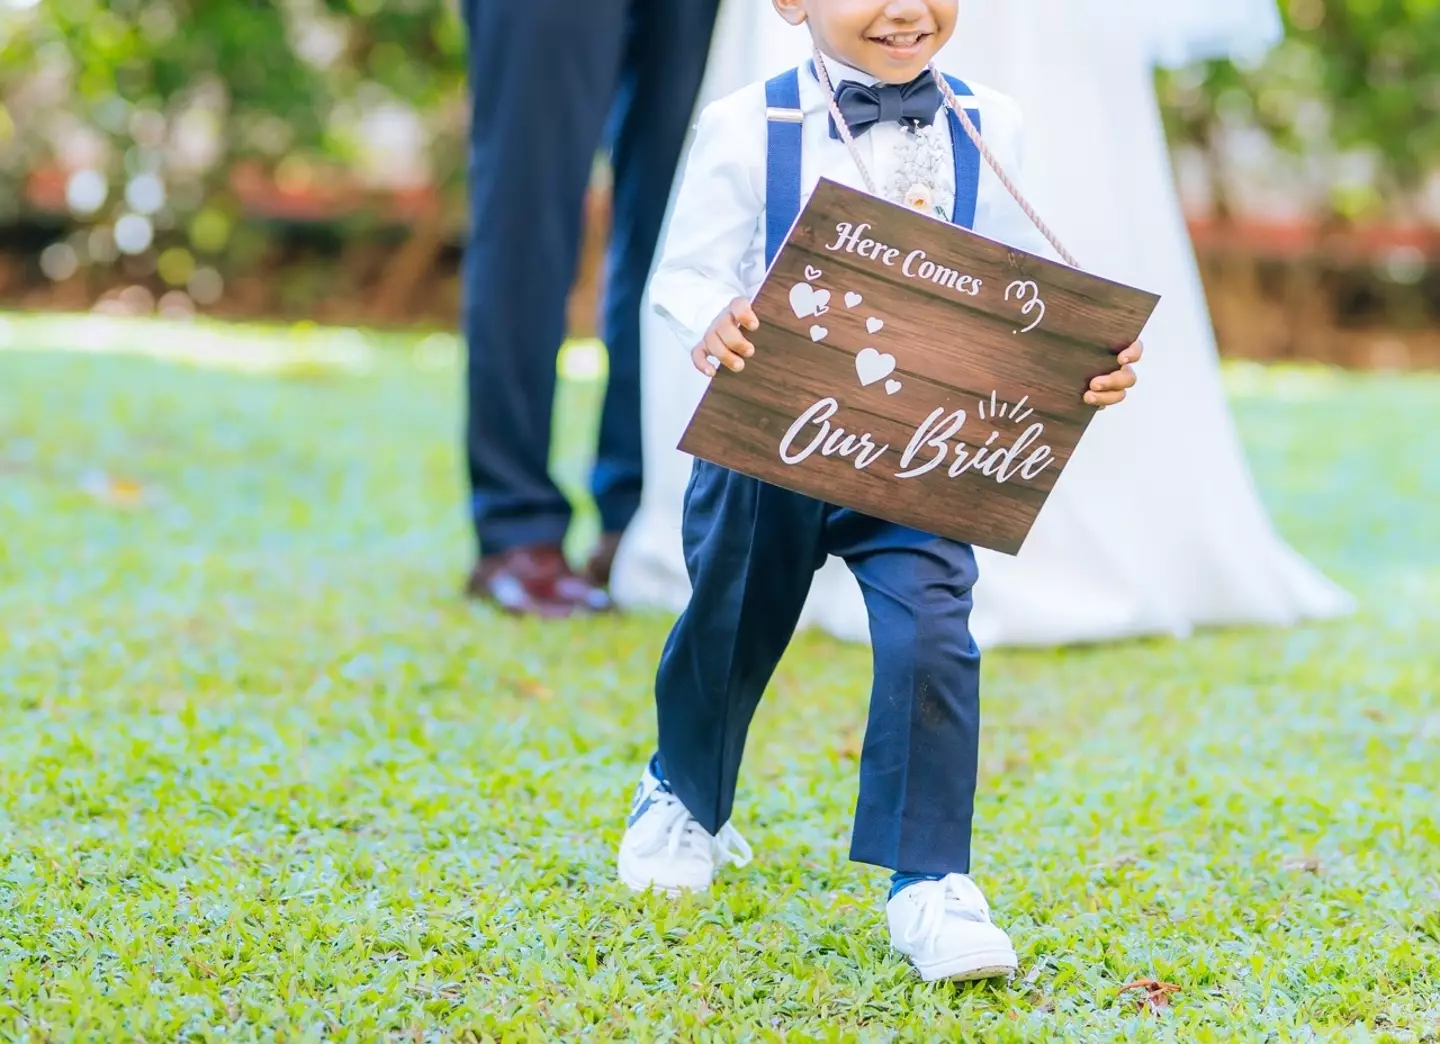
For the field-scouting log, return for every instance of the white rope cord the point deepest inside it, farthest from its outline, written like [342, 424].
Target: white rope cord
[974, 135]
[953, 104]
[840, 124]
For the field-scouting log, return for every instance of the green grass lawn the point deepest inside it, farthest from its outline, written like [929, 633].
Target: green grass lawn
[263, 775]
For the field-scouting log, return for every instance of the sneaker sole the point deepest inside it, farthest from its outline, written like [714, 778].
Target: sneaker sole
[640, 884]
[985, 964]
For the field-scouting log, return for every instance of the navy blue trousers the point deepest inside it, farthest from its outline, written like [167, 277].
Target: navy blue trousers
[552, 81]
[752, 550]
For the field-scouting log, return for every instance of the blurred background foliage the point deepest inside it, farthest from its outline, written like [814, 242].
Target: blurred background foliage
[1352, 92]
[203, 141]
[306, 157]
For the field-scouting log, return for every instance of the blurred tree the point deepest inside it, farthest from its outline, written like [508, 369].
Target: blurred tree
[1355, 86]
[157, 126]
[159, 115]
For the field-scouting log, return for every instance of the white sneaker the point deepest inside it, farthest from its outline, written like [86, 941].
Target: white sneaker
[665, 849]
[944, 928]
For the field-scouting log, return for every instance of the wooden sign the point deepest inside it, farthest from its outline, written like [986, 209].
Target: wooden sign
[916, 371]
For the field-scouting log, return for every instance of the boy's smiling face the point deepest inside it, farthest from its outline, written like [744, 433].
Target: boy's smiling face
[892, 40]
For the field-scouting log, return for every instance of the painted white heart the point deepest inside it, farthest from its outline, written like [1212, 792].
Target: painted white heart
[818, 333]
[891, 387]
[872, 366]
[812, 273]
[852, 299]
[806, 300]
[874, 325]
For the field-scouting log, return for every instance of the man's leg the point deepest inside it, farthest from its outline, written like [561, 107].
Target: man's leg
[666, 46]
[542, 76]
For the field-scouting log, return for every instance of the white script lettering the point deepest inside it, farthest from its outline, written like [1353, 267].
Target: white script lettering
[994, 459]
[927, 435]
[829, 441]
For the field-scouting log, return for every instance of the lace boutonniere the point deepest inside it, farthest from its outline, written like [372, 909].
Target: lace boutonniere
[922, 179]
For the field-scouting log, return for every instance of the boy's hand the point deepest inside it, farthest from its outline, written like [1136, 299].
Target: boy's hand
[724, 343]
[1109, 388]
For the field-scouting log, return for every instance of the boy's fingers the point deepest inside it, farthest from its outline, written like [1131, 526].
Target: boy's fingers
[743, 314]
[1132, 354]
[722, 353]
[702, 362]
[724, 343]
[1103, 399]
[1117, 381]
[733, 339]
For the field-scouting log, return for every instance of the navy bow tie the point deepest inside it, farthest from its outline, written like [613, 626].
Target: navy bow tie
[865, 105]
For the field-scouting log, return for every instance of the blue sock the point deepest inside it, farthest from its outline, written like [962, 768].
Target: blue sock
[657, 771]
[900, 880]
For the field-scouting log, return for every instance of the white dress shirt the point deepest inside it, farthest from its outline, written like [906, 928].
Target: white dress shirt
[714, 250]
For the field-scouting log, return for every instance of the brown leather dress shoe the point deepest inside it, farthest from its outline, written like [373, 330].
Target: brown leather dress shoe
[535, 581]
[602, 560]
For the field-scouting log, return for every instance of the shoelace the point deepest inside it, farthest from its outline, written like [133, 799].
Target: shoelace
[954, 893]
[679, 832]
[730, 847]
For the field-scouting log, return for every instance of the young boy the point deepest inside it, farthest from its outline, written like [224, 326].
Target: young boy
[752, 548]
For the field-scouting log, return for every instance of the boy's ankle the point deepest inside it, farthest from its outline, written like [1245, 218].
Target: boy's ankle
[900, 880]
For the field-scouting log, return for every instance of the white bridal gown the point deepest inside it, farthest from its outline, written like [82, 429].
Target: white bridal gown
[1155, 527]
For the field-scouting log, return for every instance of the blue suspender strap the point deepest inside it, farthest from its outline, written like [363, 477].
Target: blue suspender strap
[784, 120]
[967, 158]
